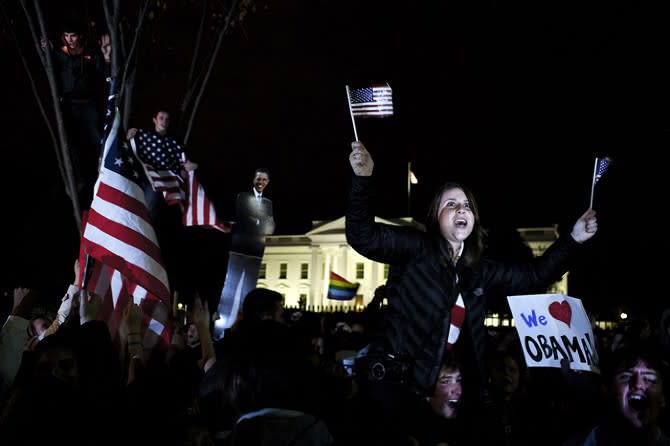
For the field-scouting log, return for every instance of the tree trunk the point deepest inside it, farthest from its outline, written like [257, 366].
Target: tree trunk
[47, 63]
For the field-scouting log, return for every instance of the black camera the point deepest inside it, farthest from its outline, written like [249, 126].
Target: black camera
[388, 367]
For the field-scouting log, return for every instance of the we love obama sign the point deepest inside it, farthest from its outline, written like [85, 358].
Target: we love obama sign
[554, 327]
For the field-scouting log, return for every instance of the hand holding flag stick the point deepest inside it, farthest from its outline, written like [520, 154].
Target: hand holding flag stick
[599, 168]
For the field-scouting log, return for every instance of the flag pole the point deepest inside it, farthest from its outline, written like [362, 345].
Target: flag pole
[351, 112]
[593, 182]
[88, 269]
[409, 188]
[411, 179]
[102, 150]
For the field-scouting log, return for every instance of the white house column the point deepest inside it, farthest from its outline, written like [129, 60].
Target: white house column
[326, 276]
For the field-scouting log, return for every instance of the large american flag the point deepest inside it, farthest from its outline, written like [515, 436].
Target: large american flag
[375, 101]
[118, 232]
[197, 209]
[117, 293]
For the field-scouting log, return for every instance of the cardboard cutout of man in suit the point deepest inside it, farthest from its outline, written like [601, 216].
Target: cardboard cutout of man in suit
[253, 221]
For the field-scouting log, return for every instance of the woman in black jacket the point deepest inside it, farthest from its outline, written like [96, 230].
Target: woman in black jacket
[438, 279]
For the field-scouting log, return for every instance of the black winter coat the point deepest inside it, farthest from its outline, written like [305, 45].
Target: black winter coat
[422, 286]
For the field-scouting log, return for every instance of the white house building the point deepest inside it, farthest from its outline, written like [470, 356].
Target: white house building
[298, 266]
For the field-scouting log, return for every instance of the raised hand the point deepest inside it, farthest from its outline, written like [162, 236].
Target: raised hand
[585, 227]
[360, 160]
[132, 317]
[44, 42]
[90, 306]
[77, 273]
[200, 313]
[106, 46]
[190, 166]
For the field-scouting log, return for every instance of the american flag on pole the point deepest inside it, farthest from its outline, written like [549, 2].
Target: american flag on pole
[118, 232]
[599, 168]
[371, 102]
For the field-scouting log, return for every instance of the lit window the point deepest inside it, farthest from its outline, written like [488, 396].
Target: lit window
[360, 271]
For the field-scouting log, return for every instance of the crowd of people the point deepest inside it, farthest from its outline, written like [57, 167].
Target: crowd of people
[281, 376]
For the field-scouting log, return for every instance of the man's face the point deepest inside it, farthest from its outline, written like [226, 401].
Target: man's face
[505, 376]
[448, 390]
[192, 335]
[639, 394]
[72, 40]
[161, 122]
[38, 326]
[261, 181]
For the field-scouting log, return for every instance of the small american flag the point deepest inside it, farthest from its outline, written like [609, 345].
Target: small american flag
[599, 168]
[603, 164]
[375, 101]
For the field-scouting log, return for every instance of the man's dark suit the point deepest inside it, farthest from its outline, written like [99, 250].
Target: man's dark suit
[253, 221]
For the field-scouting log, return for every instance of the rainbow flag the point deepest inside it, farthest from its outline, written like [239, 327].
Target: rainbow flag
[340, 288]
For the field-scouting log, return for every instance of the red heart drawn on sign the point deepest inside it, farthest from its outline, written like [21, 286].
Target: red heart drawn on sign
[561, 311]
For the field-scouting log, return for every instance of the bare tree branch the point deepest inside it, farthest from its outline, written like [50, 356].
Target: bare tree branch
[131, 53]
[38, 99]
[210, 67]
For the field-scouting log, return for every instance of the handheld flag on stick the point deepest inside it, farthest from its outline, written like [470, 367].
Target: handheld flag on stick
[599, 168]
[370, 102]
[340, 288]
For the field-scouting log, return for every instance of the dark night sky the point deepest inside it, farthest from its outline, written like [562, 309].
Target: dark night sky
[514, 99]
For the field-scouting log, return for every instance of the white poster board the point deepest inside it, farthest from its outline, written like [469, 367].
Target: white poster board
[552, 327]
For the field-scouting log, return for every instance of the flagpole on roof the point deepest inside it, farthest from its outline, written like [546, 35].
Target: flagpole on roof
[351, 113]
[411, 179]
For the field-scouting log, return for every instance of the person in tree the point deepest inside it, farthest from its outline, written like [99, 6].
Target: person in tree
[81, 71]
